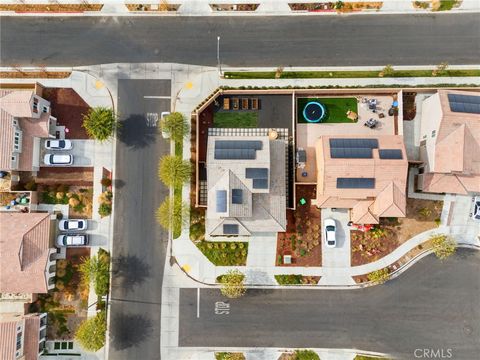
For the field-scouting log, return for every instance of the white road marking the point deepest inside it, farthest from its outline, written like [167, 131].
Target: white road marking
[198, 302]
[222, 308]
[157, 97]
[152, 119]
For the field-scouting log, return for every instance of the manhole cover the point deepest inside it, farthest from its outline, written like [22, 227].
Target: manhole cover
[467, 329]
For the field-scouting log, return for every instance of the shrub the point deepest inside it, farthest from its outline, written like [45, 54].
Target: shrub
[290, 279]
[96, 270]
[172, 219]
[100, 123]
[232, 284]
[229, 356]
[443, 246]
[176, 125]
[106, 182]
[105, 209]
[173, 170]
[91, 333]
[306, 355]
[379, 276]
[31, 185]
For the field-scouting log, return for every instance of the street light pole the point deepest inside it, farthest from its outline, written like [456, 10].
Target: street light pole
[218, 57]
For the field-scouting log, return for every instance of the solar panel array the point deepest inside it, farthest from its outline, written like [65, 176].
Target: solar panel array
[355, 183]
[464, 103]
[235, 154]
[256, 173]
[350, 153]
[260, 183]
[236, 149]
[352, 148]
[354, 143]
[221, 201]
[392, 154]
[230, 229]
[237, 196]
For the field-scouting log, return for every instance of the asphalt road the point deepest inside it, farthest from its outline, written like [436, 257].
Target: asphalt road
[139, 244]
[245, 41]
[434, 305]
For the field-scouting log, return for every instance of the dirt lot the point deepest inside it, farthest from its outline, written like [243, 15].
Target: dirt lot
[68, 107]
[302, 240]
[422, 215]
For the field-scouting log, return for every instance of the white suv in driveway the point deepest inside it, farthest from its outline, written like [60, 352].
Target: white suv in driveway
[72, 224]
[58, 159]
[330, 233]
[58, 144]
[72, 240]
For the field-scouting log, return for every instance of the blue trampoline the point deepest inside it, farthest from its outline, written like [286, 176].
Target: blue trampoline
[314, 112]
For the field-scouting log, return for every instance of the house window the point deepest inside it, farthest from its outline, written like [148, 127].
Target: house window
[45, 109]
[35, 105]
[434, 132]
[19, 340]
[13, 158]
[15, 122]
[425, 136]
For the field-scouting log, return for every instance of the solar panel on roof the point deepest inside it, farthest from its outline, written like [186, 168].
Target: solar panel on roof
[235, 154]
[260, 183]
[464, 103]
[351, 153]
[221, 196]
[355, 183]
[393, 154]
[237, 196]
[354, 143]
[238, 144]
[256, 173]
[230, 229]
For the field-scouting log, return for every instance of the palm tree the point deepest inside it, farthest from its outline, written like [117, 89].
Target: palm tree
[173, 170]
[172, 219]
[100, 123]
[175, 125]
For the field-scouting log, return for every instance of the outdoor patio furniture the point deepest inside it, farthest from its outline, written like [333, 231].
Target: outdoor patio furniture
[273, 134]
[244, 104]
[372, 104]
[371, 123]
[226, 103]
[381, 115]
[236, 103]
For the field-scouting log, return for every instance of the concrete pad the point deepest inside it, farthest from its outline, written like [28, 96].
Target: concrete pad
[83, 152]
[339, 256]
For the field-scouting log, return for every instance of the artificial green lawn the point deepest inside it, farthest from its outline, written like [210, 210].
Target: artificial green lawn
[235, 119]
[336, 109]
[225, 253]
[447, 5]
[344, 74]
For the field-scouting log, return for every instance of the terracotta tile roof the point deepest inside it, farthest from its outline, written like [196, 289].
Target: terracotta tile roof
[24, 250]
[441, 183]
[31, 337]
[8, 338]
[390, 179]
[17, 102]
[7, 132]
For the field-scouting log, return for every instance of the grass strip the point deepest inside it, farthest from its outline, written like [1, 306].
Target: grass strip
[241, 119]
[177, 190]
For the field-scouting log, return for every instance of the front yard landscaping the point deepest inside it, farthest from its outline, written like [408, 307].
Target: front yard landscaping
[302, 240]
[292, 279]
[369, 246]
[300, 355]
[229, 356]
[79, 199]
[336, 109]
[238, 119]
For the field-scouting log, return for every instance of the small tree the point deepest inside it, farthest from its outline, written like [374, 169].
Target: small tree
[306, 355]
[443, 246]
[175, 125]
[232, 284]
[91, 333]
[387, 71]
[339, 5]
[379, 276]
[100, 123]
[96, 270]
[172, 219]
[441, 69]
[173, 170]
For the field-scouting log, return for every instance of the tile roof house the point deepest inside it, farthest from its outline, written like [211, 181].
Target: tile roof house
[25, 253]
[22, 336]
[24, 119]
[450, 143]
[246, 184]
[367, 174]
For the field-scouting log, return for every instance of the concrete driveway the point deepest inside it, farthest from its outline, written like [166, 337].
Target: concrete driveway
[83, 152]
[339, 256]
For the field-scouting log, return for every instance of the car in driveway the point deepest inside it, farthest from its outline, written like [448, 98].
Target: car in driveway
[58, 144]
[476, 208]
[330, 230]
[165, 135]
[72, 224]
[58, 159]
[72, 240]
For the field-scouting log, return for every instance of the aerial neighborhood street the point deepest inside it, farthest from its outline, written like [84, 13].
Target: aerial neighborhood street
[234, 180]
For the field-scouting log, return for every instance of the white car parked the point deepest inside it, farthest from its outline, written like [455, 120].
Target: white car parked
[58, 144]
[72, 224]
[330, 230]
[58, 159]
[72, 240]
[165, 135]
